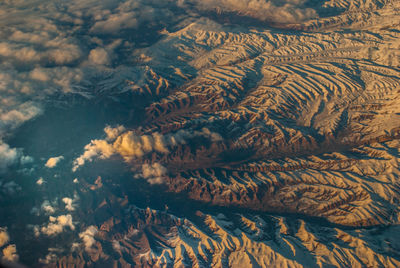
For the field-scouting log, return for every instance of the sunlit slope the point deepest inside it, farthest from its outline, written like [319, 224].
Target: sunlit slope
[151, 238]
[309, 121]
[302, 123]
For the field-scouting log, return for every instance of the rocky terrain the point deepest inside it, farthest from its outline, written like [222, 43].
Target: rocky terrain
[230, 140]
[275, 121]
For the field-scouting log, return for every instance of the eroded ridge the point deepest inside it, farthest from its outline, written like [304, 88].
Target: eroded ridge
[302, 123]
[299, 122]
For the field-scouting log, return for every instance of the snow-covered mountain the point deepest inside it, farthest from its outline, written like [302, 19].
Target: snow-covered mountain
[200, 133]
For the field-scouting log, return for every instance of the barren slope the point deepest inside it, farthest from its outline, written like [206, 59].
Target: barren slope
[302, 121]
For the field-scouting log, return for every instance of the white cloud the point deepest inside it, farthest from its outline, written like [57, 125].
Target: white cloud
[9, 120]
[154, 173]
[53, 161]
[50, 258]
[115, 22]
[8, 156]
[36, 230]
[130, 14]
[87, 237]
[130, 145]
[70, 203]
[4, 238]
[47, 207]
[10, 253]
[40, 181]
[39, 74]
[285, 11]
[57, 225]
[99, 56]
[113, 132]
[10, 187]
[26, 159]
[97, 148]
[44, 51]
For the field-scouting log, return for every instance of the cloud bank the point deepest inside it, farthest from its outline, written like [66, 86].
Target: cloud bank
[52, 50]
[285, 11]
[57, 50]
[133, 146]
